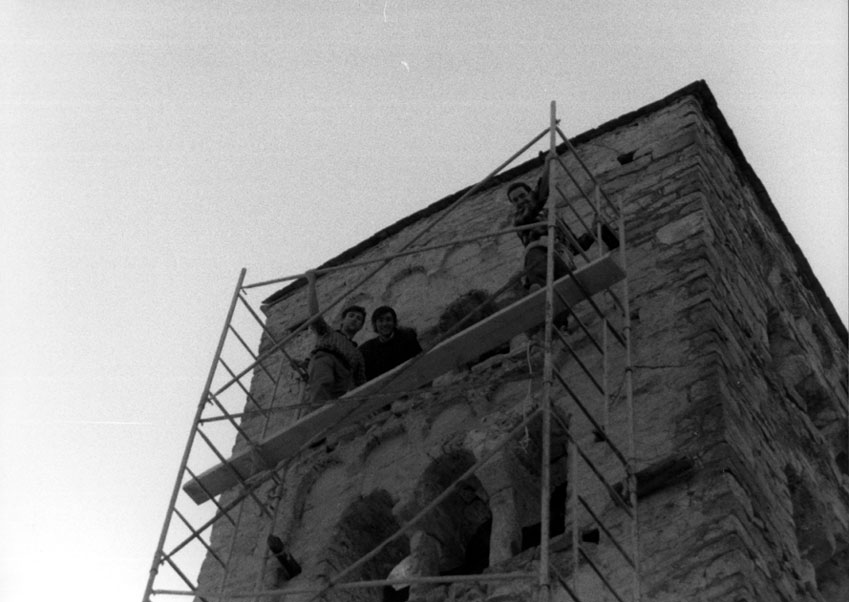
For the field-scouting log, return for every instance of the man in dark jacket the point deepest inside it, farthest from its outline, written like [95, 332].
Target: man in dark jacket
[392, 346]
[529, 208]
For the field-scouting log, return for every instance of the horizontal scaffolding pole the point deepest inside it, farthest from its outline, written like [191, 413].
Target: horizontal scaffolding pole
[391, 256]
[589, 173]
[265, 329]
[386, 259]
[438, 499]
[183, 576]
[456, 350]
[348, 399]
[423, 580]
[252, 413]
[470, 191]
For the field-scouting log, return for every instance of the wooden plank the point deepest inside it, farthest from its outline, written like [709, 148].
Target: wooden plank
[452, 353]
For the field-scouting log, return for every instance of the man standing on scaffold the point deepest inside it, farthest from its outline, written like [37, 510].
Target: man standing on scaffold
[336, 365]
[529, 208]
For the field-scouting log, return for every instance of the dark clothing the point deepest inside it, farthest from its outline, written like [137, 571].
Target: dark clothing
[535, 240]
[329, 377]
[336, 365]
[536, 264]
[382, 356]
[336, 343]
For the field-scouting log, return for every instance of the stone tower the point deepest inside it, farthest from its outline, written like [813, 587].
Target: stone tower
[739, 425]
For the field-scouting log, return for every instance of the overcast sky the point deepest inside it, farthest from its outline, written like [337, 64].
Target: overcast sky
[152, 149]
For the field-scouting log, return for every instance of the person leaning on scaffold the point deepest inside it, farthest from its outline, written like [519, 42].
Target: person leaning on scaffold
[336, 365]
[529, 208]
[392, 346]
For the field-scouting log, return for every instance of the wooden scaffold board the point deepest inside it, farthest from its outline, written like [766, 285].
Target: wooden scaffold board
[451, 353]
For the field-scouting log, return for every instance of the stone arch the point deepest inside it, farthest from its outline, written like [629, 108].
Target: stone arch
[313, 502]
[467, 255]
[413, 294]
[364, 524]
[405, 274]
[356, 298]
[453, 538]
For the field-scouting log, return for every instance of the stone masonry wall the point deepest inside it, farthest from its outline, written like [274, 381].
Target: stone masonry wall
[740, 378]
[783, 382]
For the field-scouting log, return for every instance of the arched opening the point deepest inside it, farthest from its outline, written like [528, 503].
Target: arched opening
[453, 538]
[461, 523]
[363, 526]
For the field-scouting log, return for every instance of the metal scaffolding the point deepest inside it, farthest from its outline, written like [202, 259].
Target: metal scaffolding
[601, 376]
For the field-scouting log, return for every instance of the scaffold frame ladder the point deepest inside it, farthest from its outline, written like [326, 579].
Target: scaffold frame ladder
[265, 474]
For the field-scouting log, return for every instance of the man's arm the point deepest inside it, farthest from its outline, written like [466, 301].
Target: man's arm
[529, 214]
[542, 185]
[318, 324]
[540, 195]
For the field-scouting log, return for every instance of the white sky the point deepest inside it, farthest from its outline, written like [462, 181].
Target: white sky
[152, 149]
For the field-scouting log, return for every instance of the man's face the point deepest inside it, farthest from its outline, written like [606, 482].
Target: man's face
[520, 197]
[384, 325]
[352, 322]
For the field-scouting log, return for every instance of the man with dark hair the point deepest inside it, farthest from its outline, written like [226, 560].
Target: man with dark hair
[529, 208]
[528, 205]
[336, 365]
[392, 346]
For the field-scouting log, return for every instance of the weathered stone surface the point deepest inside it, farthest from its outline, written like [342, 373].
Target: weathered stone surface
[739, 369]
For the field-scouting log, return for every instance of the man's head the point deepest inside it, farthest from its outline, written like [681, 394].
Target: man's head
[353, 318]
[384, 320]
[519, 194]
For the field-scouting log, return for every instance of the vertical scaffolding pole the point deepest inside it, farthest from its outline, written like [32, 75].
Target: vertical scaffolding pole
[573, 510]
[190, 442]
[605, 366]
[545, 472]
[629, 396]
